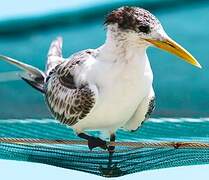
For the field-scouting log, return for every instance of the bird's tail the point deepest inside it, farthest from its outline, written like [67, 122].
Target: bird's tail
[31, 75]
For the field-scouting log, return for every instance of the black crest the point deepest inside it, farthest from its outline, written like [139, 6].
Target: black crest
[133, 18]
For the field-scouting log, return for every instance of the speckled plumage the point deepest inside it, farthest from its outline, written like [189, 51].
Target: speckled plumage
[64, 94]
[105, 88]
[69, 102]
[151, 108]
[132, 18]
[109, 87]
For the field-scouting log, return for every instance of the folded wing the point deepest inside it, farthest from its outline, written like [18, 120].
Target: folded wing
[69, 101]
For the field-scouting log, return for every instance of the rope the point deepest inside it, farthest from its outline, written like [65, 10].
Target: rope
[124, 144]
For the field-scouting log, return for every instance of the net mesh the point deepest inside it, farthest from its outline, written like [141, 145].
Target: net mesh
[135, 152]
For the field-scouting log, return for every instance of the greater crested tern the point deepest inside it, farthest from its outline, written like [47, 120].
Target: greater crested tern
[109, 87]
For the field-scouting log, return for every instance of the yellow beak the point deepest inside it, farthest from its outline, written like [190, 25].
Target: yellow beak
[174, 48]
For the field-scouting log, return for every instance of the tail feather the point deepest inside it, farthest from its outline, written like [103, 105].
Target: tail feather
[54, 54]
[32, 75]
[26, 67]
[37, 83]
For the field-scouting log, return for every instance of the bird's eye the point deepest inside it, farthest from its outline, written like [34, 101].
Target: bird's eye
[144, 29]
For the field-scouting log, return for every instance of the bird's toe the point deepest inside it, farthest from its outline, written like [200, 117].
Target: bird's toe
[97, 142]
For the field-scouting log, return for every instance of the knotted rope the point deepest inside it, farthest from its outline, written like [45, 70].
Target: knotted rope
[161, 144]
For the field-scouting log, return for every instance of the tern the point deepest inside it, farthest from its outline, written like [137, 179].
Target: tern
[107, 88]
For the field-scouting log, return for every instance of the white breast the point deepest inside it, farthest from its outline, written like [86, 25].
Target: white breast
[121, 89]
[122, 86]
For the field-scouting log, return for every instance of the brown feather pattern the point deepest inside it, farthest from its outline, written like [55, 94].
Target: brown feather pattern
[68, 102]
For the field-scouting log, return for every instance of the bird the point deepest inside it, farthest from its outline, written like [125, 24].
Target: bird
[107, 88]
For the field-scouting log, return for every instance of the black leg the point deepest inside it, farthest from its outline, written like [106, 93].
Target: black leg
[111, 149]
[111, 170]
[112, 139]
[93, 142]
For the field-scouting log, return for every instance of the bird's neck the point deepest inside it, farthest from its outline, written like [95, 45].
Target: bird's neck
[118, 48]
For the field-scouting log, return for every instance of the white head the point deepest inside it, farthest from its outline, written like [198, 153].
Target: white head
[138, 27]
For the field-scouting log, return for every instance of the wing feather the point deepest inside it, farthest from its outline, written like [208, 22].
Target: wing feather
[68, 101]
[54, 54]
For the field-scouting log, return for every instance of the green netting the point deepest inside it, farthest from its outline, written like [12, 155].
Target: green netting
[126, 159]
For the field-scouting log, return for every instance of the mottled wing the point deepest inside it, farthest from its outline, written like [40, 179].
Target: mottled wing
[68, 101]
[151, 107]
